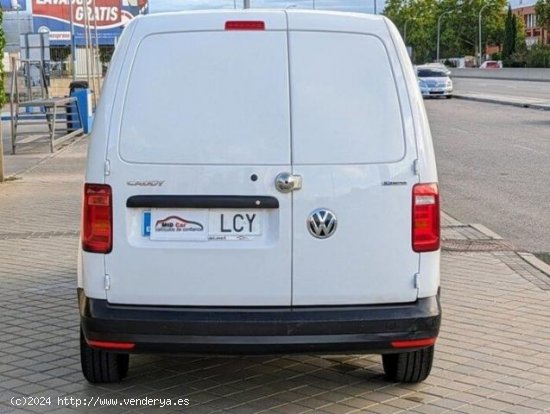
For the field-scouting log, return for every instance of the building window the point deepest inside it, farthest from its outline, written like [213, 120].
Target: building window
[531, 20]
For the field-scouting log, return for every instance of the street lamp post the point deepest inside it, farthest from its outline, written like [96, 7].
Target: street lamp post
[439, 31]
[480, 55]
[246, 4]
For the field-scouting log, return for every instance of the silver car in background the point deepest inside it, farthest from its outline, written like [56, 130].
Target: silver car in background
[434, 81]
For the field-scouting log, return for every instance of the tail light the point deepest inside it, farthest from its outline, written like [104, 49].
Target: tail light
[97, 219]
[425, 218]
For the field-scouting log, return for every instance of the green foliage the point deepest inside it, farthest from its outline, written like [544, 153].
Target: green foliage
[510, 35]
[459, 29]
[60, 53]
[538, 56]
[106, 53]
[542, 9]
[2, 75]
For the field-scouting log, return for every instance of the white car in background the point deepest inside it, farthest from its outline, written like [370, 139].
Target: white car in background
[434, 81]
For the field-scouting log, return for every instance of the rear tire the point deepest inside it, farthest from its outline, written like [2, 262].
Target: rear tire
[411, 367]
[102, 366]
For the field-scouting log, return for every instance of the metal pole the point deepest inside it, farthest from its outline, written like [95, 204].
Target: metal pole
[1, 153]
[313, 4]
[375, 12]
[480, 56]
[405, 31]
[246, 4]
[73, 41]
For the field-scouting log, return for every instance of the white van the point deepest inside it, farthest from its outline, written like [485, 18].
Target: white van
[260, 181]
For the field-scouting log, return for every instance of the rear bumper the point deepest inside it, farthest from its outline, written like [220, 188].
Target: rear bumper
[369, 329]
[436, 91]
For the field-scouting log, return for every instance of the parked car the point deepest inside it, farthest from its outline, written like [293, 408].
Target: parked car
[274, 190]
[434, 82]
[491, 64]
[437, 65]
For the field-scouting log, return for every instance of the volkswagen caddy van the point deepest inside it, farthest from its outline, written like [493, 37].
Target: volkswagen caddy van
[260, 181]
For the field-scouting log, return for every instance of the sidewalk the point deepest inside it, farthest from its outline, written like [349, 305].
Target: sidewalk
[492, 354]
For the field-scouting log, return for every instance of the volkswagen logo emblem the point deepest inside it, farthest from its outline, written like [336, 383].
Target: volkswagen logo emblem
[321, 223]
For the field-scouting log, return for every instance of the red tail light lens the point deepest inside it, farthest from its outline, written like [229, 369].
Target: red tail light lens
[425, 218]
[244, 25]
[122, 346]
[413, 343]
[97, 219]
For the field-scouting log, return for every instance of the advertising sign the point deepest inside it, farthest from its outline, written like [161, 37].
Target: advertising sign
[109, 16]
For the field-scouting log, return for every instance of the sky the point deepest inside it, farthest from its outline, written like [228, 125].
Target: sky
[364, 6]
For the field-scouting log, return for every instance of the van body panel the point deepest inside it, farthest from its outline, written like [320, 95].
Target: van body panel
[220, 110]
[250, 272]
[368, 259]
[369, 190]
[352, 148]
[215, 126]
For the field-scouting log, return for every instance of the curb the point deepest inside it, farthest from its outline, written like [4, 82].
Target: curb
[544, 107]
[507, 78]
[526, 256]
[487, 232]
[535, 262]
[17, 174]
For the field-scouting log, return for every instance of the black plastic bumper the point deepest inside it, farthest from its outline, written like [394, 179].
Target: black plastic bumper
[369, 329]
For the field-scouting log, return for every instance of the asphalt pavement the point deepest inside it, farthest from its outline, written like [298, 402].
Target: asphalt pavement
[494, 167]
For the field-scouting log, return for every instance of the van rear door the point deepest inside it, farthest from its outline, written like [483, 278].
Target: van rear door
[203, 130]
[353, 146]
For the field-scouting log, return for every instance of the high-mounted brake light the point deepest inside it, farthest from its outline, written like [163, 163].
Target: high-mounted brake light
[97, 219]
[244, 25]
[425, 218]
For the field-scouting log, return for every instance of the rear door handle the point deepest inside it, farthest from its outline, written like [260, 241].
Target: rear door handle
[287, 182]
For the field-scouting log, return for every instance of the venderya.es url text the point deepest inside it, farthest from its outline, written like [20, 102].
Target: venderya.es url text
[99, 402]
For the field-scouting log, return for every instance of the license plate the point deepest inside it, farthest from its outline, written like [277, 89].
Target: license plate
[201, 224]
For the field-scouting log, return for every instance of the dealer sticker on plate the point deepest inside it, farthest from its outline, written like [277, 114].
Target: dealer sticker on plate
[201, 224]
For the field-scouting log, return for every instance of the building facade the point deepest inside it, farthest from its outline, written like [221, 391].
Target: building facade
[534, 33]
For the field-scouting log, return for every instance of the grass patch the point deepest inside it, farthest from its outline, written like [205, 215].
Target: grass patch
[545, 257]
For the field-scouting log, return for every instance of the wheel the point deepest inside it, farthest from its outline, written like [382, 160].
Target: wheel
[414, 366]
[449, 96]
[102, 366]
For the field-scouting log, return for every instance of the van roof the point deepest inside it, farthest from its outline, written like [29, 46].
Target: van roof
[274, 19]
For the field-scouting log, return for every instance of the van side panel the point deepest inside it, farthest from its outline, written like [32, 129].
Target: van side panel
[429, 273]
[91, 266]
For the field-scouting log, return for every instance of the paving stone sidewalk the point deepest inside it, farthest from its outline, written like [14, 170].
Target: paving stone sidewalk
[492, 354]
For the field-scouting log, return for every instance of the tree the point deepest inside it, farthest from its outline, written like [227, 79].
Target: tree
[542, 10]
[459, 29]
[510, 35]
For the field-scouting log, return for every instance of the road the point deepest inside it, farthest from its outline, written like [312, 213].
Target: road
[537, 90]
[494, 167]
